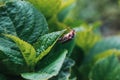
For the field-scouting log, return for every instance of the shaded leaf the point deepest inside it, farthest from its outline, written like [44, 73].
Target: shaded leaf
[65, 71]
[106, 69]
[100, 48]
[10, 58]
[48, 67]
[26, 49]
[87, 66]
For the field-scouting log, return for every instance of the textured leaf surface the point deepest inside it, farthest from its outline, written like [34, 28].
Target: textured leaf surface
[22, 19]
[65, 71]
[10, 58]
[45, 43]
[106, 69]
[26, 49]
[48, 67]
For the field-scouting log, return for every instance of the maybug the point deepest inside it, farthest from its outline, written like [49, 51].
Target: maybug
[67, 37]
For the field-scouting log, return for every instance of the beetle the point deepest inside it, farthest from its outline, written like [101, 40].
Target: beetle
[67, 37]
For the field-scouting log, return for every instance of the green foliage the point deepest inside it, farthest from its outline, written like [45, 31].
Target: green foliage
[22, 20]
[50, 12]
[86, 37]
[106, 54]
[45, 44]
[100, 50]
[46, 7]
[65, 71]
[26, 49]
[11, 59]
[104, 45]
[2, 77]
[55, 25]
[66, 8]
[4, 1]
[17, 21]
[48, 67]
[24, 42]
[106, 69]
[92, 10]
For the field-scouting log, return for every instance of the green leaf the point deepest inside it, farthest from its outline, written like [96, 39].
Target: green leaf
[88, 65]
[11, 61]
[5, 51]
[106, 69]
[106, 54]
[103, 45]
[48, 67]
[86, 38]
[99, 49]
[22, 19]
[66, 8]
[26, 49]
[55, 25]
[106, 44]
[45, 44]
[100, 56]
[65, 71]
[69, 45]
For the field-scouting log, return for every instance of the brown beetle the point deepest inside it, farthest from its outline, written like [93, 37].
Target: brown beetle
[67, 37]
